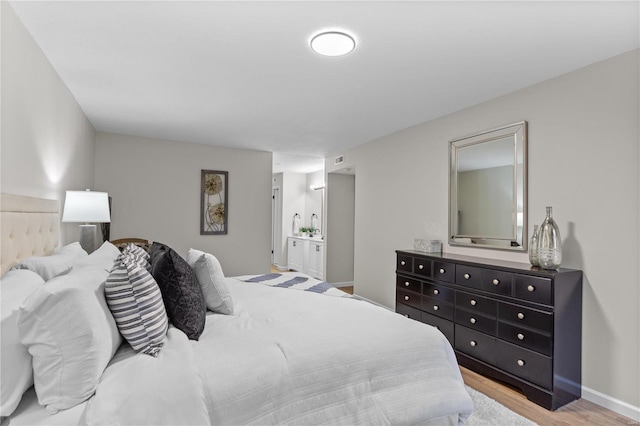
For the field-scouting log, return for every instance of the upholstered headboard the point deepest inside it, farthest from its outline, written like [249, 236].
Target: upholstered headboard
[28, 227]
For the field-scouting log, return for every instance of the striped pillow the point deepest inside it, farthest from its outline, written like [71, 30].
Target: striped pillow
[141, 256]
[136, 304]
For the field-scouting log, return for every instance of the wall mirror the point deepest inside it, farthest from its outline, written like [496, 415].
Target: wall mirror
[488, 189]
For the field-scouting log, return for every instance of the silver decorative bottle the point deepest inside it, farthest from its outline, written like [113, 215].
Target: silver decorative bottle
[549, 243]
[534, 256]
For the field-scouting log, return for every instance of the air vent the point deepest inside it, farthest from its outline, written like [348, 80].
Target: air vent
[338, 160]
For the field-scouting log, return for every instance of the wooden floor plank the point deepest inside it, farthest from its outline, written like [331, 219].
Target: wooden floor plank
[580, 412]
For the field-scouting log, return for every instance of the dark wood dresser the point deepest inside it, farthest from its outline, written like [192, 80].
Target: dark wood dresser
[510, 321]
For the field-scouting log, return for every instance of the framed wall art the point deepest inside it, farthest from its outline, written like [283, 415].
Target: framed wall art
[214, 196]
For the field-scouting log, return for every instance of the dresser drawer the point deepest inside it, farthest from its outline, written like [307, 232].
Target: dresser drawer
[404, 263]
[476, 321]
[409, 298]
[524, 363]
[475, 344]
[408, 284]
[444, 271]
[445, 326]
[408, 311]
[422, 267]
[475, 303]
[522, 316]
[437, 307]
[469, 276]
[525, 337]
[438, 292]
[534, 289]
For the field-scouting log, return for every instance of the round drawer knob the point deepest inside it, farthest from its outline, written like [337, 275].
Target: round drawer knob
[406, 298]
[530, 287]
[521, 363]
[436, 307]
[473, 343]
[466, 276]
[520, 315]
[436, 291]
[495, 281]
[442, 271]
[420, 266]
[473, 302]
[472, 320]
[402, 262]
[406, 284]
[406, 316]
[520, 336]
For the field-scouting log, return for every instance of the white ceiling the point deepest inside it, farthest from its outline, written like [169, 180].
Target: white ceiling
[241, 74]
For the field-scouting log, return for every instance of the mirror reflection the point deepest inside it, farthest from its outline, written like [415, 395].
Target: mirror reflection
[487, 193]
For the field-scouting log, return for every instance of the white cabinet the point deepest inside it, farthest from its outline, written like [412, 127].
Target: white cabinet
[315, 264]
[296, 249]
[306, 255]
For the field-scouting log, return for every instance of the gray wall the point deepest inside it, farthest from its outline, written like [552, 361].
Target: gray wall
[155, 186]
[47, 142]
[583, 160]
[339, 251]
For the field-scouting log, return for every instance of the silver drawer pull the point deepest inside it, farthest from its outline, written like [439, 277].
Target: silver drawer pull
[442, 271]
[530, 287]
[520, 315]
[406, 316]
[436, 291]
[402, 262]
[495, 281]
[472, 320]
[406, 298]
[521, 362]
[407, 284]
[473, 302]
[520, 336]
[473, 343]
[436, 307]
[420, 266]
[466, 276]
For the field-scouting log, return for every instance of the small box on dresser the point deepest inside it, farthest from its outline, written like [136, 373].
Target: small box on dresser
[510, 321]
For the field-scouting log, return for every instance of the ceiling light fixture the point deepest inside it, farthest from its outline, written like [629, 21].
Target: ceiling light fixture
[333, 43]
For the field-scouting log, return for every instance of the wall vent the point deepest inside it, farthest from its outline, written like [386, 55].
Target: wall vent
[338, 160]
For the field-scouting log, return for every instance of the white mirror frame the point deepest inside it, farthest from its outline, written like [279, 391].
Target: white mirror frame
[518, 240]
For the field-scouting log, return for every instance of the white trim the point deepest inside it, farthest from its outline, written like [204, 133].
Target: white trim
[280, 267]
[611, 403]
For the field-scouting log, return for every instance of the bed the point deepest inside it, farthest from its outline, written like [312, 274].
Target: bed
[293, 350]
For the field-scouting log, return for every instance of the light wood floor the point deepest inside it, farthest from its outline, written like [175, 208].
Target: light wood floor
[580, 412]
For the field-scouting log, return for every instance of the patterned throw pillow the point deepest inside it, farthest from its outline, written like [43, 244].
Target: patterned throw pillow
[136, 304]
[180, 289]
[140, 254]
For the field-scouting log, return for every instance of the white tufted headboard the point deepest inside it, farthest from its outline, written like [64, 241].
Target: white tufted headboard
[28, 227]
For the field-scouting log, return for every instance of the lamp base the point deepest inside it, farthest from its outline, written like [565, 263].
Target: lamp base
[88, 238]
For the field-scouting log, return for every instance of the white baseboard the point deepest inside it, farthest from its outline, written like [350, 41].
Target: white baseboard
[280, 267]
[611, 403]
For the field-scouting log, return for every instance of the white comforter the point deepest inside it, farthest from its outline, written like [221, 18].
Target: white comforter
[298, 357]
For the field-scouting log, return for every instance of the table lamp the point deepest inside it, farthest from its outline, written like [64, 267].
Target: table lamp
[87, 206]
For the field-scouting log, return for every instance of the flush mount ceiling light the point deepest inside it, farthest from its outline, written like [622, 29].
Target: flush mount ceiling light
[333, 43]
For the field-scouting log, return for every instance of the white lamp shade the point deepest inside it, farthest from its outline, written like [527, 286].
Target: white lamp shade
[86, 206]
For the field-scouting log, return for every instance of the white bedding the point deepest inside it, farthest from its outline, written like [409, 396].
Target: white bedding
[286, 356]
[297, 357]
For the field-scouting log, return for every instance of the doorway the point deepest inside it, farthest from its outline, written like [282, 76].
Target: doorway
[276, 225]
[340, 208]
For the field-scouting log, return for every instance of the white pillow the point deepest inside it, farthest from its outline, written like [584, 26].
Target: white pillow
[15, 368]
[104, 257]
[68, 329]
[56, 264]
[211, 278]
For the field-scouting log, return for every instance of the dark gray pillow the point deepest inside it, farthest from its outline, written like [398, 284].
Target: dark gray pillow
[181, 292]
